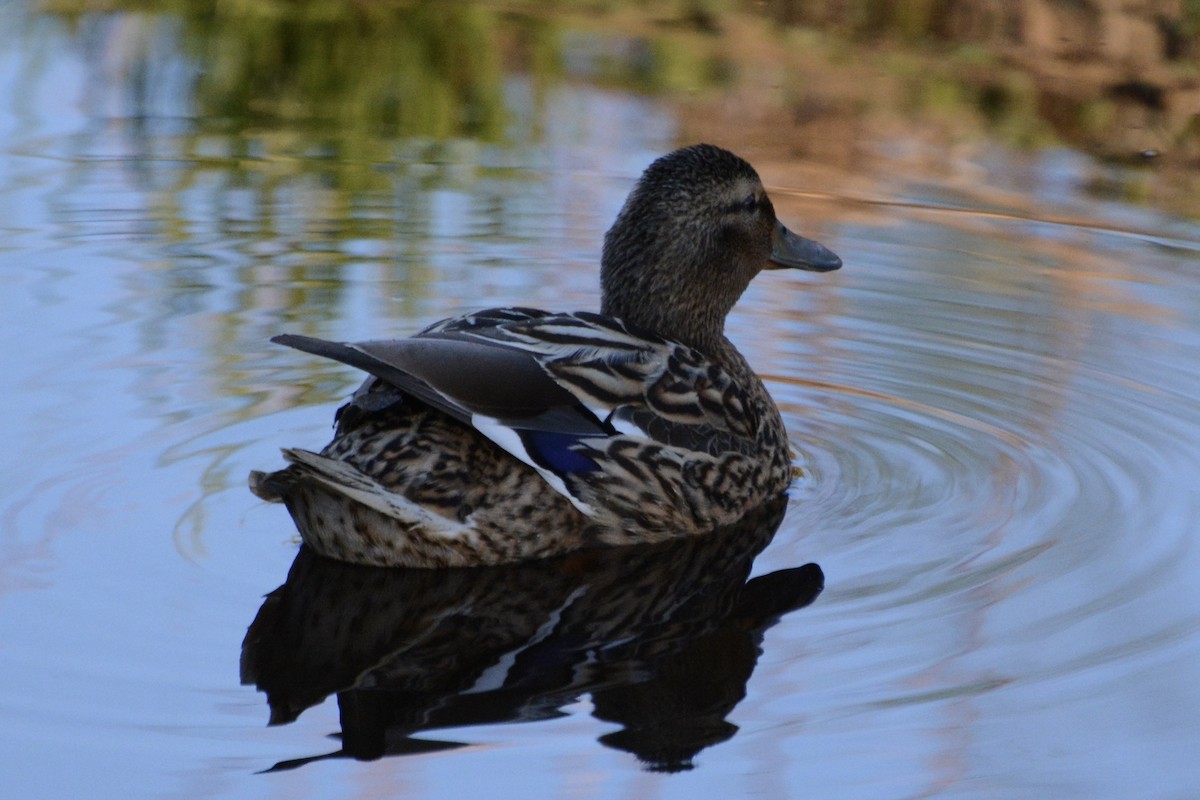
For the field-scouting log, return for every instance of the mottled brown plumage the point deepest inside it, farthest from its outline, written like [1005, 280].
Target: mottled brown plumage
[515, 433]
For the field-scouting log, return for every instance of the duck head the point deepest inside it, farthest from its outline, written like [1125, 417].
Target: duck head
[693, 233]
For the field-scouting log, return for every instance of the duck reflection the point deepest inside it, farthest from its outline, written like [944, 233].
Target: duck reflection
[663, 638]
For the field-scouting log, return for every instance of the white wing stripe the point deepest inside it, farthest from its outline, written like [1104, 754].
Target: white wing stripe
[508, 440]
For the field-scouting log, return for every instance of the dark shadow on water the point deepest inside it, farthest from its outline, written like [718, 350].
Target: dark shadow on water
[663, 638]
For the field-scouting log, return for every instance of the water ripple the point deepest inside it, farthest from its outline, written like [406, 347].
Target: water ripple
[999, 454]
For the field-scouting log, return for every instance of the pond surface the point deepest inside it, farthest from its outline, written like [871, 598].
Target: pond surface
[994, 404]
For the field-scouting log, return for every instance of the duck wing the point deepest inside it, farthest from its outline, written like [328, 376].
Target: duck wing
[460, 378]
[557, 390]
[635, 383]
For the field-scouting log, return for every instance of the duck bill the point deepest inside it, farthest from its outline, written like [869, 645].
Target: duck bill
[789, 251]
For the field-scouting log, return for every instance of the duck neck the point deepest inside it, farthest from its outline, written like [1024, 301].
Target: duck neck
[663, 288]
[690, 324]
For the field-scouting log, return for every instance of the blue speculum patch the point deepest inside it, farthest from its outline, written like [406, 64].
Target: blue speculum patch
[553, 450]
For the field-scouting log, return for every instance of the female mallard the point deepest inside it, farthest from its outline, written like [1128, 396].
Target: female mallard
[514, 433]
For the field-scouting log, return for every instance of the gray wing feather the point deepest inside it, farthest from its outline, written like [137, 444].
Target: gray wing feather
[535, 371]
[463, 378]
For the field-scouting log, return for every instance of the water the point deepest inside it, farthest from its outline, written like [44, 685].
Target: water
[994, 403]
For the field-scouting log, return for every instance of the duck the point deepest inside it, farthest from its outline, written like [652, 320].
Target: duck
[515, 433]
